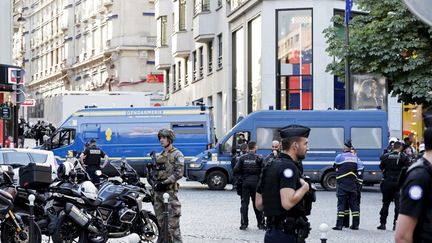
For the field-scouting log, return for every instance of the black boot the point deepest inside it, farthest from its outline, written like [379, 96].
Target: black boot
[353, 227]
[337, 228]
[381, 227]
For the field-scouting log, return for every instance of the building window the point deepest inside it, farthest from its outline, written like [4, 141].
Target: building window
[162, 23]
[294, 53]
[236, 3]
[174, 78]
[201, 6]
[254, 65]
[182, 15]
[210, 56]
[239, 102]
[201, 62]
[167, 83]
[179, 75]
[339, 94]
[186, 71]
[194, 65]
[219, 37]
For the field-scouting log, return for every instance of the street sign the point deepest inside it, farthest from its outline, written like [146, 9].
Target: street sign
[29, 102]
[13, 75]
[421, 8]
[6, 113]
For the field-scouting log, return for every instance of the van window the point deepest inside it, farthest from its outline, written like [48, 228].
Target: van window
[189, 128]
[366, 138]
[326, 138]
[265, 137]
[231, 145]
[63, 138]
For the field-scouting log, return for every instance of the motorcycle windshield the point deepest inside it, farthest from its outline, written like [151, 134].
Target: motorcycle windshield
[122, 166]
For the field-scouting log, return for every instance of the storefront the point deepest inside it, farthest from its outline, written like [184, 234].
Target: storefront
[413, 123]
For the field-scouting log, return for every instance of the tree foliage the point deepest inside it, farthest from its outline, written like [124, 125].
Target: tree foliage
[389, 40]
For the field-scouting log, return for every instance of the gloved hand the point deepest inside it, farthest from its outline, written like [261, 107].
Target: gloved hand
[160, 187]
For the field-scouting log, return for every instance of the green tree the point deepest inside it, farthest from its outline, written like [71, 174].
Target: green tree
[389, 40]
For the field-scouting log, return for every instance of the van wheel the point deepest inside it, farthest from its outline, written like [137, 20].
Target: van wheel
[216, 180]
[329, 181]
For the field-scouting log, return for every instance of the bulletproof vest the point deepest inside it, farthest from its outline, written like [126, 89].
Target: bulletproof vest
[423, 230]
[393, 166]
[251, 166]
[271, 191]
[94, 156]
[165, 163]
[346, 171]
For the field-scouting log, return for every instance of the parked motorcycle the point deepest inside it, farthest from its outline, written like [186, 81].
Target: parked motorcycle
[121, 205]
[15, 227]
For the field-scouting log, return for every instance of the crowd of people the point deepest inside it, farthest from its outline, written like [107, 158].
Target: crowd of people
[39, 131]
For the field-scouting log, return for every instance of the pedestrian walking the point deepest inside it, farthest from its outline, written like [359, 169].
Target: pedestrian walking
[21, 129]
[91, 159]
[281, 192]
[391, 166]
[249, 168]
[169, 169]
[415, 212]
[347, 186]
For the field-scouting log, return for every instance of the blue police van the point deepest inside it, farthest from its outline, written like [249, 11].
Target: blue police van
[132, 132]
[367, 129]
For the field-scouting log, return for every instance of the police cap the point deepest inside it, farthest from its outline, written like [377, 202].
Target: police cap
[294, 131]
[348, 143]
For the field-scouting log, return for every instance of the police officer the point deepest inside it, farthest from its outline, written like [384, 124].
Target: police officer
[237, 182]
[391, 166]
[274, 153]
[91, 159]
[249, 168]
[281, 190]
[360, 171]
[415, 212]
[169, 169]
[347, 186]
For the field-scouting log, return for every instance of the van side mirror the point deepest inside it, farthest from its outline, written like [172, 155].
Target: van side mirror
[220, 148]
[209, 154]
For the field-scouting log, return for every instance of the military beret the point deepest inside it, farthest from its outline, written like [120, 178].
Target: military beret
[348, 143]
[294, 131]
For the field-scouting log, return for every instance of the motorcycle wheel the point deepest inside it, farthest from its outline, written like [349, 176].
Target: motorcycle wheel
[148, 232]
[9, 234]
[68, 232]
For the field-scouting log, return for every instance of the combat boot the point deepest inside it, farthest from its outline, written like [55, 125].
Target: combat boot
[381, 227]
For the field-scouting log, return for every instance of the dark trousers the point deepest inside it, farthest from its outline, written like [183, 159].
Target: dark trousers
[390, 192]
[248, 192]
[91, 169]
[278, 236]
[347, 206]
[349, 198]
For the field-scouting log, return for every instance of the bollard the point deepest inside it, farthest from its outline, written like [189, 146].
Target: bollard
[165, 197]
[323, 228]
[31, 199]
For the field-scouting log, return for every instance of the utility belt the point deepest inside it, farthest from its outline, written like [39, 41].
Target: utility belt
[290, 225]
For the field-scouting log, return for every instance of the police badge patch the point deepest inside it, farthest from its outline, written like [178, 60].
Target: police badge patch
[181, 159]
[288, 173]
[415, 192]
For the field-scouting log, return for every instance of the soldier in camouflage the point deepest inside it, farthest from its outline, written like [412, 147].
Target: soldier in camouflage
[169, 170]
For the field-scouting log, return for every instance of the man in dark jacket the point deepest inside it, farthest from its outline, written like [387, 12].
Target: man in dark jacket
[249, 168]
[391, 166]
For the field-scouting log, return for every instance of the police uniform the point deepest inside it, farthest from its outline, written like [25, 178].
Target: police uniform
[416, 199]
[93, 156]
[391, 165]
[169, 169]
[347, 189]
[270, 158]
[283, 226]
[249, 167]
[360, 172]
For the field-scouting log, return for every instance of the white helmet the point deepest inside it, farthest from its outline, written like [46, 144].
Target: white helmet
[65, 170]
[422, 147]
[393, 140]
[89, 190]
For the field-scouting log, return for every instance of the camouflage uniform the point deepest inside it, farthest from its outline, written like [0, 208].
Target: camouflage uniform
[169, 170]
